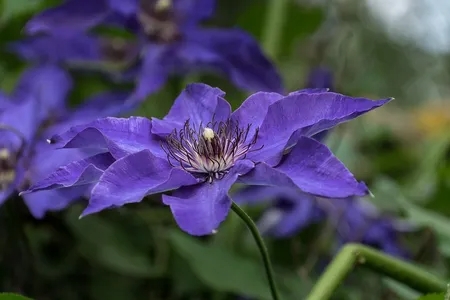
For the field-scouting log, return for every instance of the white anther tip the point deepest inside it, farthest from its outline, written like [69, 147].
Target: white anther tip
[208, 133]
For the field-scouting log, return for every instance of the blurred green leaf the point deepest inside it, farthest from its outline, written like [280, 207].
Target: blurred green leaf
[310, 19]
[9, 296]
[415, 213]
[433, 297]
[226, 272]
[109, 244]
[10, 9]
[401, 290]
[183, 277]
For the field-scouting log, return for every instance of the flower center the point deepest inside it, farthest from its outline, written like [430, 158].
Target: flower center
[118, 50]
[158, 21]
[209, 151]
[9, 158]
[7, 168]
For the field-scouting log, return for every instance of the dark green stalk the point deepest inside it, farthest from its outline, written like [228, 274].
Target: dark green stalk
[262, 248]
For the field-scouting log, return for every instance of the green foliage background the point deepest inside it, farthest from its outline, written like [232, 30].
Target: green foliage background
[137, 252]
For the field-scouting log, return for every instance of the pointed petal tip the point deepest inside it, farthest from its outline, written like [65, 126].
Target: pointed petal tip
[364, 189]
[85, 213]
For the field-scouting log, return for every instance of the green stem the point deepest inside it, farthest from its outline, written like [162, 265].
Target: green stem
[262, 247]
[355, 254]
[275, 18]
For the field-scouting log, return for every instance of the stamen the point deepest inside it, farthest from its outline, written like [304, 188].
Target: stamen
[209, 151]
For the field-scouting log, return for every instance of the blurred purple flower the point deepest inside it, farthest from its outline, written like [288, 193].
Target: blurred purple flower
[37, 107]
[355, 220]
[206, 148]
[169, 41]
[320, 78]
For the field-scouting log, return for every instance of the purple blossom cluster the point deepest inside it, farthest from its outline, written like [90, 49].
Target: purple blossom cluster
[200, 149]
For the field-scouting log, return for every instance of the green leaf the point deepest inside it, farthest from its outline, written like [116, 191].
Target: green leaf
[414, 212]
[401, 290]
[10, 296]
[440, 296]
[14, 8]
[224, 271]
[110, 245]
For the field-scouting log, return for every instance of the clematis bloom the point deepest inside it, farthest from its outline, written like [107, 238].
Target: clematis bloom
[36, 108]
[168, 40]
[201, 148]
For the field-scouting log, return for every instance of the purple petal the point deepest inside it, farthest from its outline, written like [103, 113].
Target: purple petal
[102, 105]
[311, 167]
[154, 72]
[253, 195]
[193, 11]
[71, 15]
[199, 103]
[125, 7]
[199, 209]
[309, 91]
[99, 106]
[119, 136]
[41, 202]
[241, 58]
[254, 109]
[133, 177]
[77, 173]
[58, 48]
[49, 84]
[47, 159]
[21, 117]
[320, 77]
[305, 114]
[5, 102]
[302, 214]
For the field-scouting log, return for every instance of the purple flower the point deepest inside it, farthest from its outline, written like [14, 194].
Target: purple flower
[169, 41]
[355, 220]
[201, 148]
[320, 77]
[36, 108]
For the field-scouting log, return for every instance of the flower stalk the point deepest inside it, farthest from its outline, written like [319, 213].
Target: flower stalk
[262, 248]
[275, 19]
[352, 255]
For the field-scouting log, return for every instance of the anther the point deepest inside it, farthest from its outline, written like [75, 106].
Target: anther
[208, 134]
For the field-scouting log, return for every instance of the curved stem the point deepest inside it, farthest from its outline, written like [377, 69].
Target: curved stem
[352, 255]
[275, 18]
[262, 247]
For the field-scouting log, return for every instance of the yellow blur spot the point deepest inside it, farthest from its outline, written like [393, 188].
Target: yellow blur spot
[433, 119]
[162, 5]
[7, 177]
[4, 153]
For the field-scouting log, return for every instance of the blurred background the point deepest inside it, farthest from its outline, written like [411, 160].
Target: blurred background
[366, 48]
